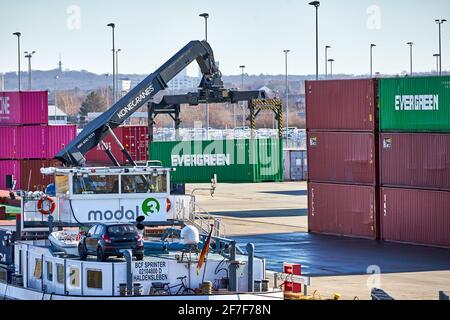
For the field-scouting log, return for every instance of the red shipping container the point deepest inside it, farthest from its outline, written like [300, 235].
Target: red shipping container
[415, 216]
[23, 108]
[133, 138]
[415, 160]
[9, 142]
[344, 157]
[342, 105]
[344, 210]
[35, 142]
[26, 173]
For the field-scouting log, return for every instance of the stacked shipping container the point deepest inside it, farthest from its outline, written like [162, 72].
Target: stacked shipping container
[27, 141]
[415, 160]
[133, 138]
[342, 124]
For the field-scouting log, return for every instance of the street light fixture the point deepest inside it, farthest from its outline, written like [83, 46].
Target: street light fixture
[316, 4]
[18, 34]
[371, 59]
[29, 55]
[331, 67]
[326, 61]
[410, 44]
[440, 23]
[205, 16]
[113, 26]
[287, 93]
[242, 88]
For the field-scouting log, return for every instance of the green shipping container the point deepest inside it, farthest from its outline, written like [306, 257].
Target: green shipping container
[233, 161]
[415, 104]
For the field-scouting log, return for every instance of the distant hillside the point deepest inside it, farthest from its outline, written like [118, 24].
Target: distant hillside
[88, 81]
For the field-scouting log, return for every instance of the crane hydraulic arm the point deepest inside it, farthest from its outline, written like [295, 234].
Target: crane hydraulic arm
[96, 130]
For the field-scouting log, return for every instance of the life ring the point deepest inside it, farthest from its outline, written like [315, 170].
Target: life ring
[49, 203]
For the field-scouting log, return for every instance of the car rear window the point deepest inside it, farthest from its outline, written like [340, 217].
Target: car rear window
[122, 229]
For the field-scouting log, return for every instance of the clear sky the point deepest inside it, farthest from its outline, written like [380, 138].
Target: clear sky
[250, 32]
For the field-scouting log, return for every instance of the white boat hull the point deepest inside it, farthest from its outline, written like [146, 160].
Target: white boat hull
[11, 292]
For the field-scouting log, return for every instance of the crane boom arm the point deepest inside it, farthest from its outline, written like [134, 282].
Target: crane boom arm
[96, 130]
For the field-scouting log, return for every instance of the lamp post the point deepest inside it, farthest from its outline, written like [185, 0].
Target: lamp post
[117, 75]
[242, 88]
[18, 34]
[410, 44]
[113, 27]
[436, 55]
[29, 55]
[371, 59]
[316, 4]
[440, 23]
[205, 16]
[331, 67]
[287, 93]
[326, 61]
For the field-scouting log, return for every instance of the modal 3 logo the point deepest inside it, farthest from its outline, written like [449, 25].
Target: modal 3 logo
[150, 206]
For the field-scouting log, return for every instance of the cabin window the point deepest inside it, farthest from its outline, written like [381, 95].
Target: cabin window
[59, 273]
[144, 183]
[62, 184]
[38, 269]
[94, 279]
[49, 265]
[3, 276]
[92, 184]
[74, 278]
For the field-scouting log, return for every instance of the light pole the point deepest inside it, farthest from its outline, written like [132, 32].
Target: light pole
[326, 61]
[117, 75]
[205, 16]
[316, 4]
[56, 96]
[371, 59]
[410, 44]
[113, 27]
[440, 23]
[331, 67]
[29, 55]
[18, 34]
[287, 93]
[436, 55]
[242, 88]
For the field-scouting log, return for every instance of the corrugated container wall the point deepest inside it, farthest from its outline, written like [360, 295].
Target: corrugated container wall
[415, 216]
[345, 210]
[415, 104]
[26, 173]
[23, 108]
[415, 160]
[233, 161]
[342, 157]
[133, 138]
[342, 105]
[34, 142]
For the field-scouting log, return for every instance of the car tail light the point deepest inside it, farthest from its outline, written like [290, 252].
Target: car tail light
[106, 238]
[140, 240]
[168, 205]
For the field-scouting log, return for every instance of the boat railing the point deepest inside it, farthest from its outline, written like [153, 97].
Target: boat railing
[203, 220]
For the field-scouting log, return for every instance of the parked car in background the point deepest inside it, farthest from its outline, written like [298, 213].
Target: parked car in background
[104, 240]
